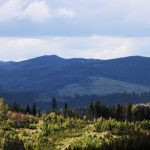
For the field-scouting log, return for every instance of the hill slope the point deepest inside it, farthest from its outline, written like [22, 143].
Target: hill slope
[52, 75]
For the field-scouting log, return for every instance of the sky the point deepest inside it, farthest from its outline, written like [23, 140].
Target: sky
[101, 29]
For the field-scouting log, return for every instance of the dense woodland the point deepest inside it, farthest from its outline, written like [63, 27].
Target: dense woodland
[109, 99]
[95, 127]
[95, 110]
[77, 101]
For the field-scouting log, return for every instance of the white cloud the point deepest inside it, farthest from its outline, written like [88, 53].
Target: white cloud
[109, 17]
[101, 47]
[9, 10]
[114, 18]
[64, 12]
[34, 10]
[101, 17]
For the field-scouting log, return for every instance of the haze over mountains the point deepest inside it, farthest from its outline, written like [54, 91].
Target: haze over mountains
[56, 76]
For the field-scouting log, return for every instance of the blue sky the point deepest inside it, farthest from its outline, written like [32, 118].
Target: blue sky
[74, 28]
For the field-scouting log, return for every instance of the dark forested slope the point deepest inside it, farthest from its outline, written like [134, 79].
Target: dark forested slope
[53, 75]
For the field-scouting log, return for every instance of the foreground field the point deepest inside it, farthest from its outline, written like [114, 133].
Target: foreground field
[54, 132]
[69, 129]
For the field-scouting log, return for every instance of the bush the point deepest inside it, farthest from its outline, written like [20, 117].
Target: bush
[111, 143]
[13, 143]
[121, 128]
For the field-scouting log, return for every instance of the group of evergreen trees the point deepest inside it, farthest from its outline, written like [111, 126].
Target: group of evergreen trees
[119, 112]
[95, 110]
[28, 110]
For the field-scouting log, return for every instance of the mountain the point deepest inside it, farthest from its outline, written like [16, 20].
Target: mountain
[56, 76]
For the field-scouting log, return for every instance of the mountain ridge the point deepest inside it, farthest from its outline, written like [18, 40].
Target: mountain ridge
[59, 57]
[52, 75]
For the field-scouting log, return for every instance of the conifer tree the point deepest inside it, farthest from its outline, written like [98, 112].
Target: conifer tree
[54, 104]
[65, 109]
[3, 108]
[33, 109]
[15, 107]
[27, 110]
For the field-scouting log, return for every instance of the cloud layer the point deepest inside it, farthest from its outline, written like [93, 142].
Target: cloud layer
[75, 17]
[36, 11]
[100, 47]
[74, 28]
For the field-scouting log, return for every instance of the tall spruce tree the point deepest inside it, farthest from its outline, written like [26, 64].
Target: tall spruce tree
[15, 107]
[33, 109]
[127, 112]
[54, 104]
[65, 109]
[27, 110]
[3, 108]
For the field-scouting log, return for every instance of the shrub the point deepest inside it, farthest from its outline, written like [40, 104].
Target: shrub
[13, 143]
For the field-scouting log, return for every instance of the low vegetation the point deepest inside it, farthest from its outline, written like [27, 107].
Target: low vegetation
[95, 128]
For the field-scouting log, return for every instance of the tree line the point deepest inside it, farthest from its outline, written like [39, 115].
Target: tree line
[95, 110]
[119, 112]
[32, 110]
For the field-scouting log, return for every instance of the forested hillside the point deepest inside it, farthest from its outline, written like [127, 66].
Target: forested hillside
[47, 76]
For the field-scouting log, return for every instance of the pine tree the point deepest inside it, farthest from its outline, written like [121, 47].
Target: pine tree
[97, 109]
[91, 110]
[15, 107]
[33, 109]
[127, 112]
[3, 108]
[27, 110]
[65, 109]
[118, 112]
[54, 104]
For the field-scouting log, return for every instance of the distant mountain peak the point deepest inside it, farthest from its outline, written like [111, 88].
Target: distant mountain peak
[44, 58]
[136, 56]
[51, 56]
[48, 57]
